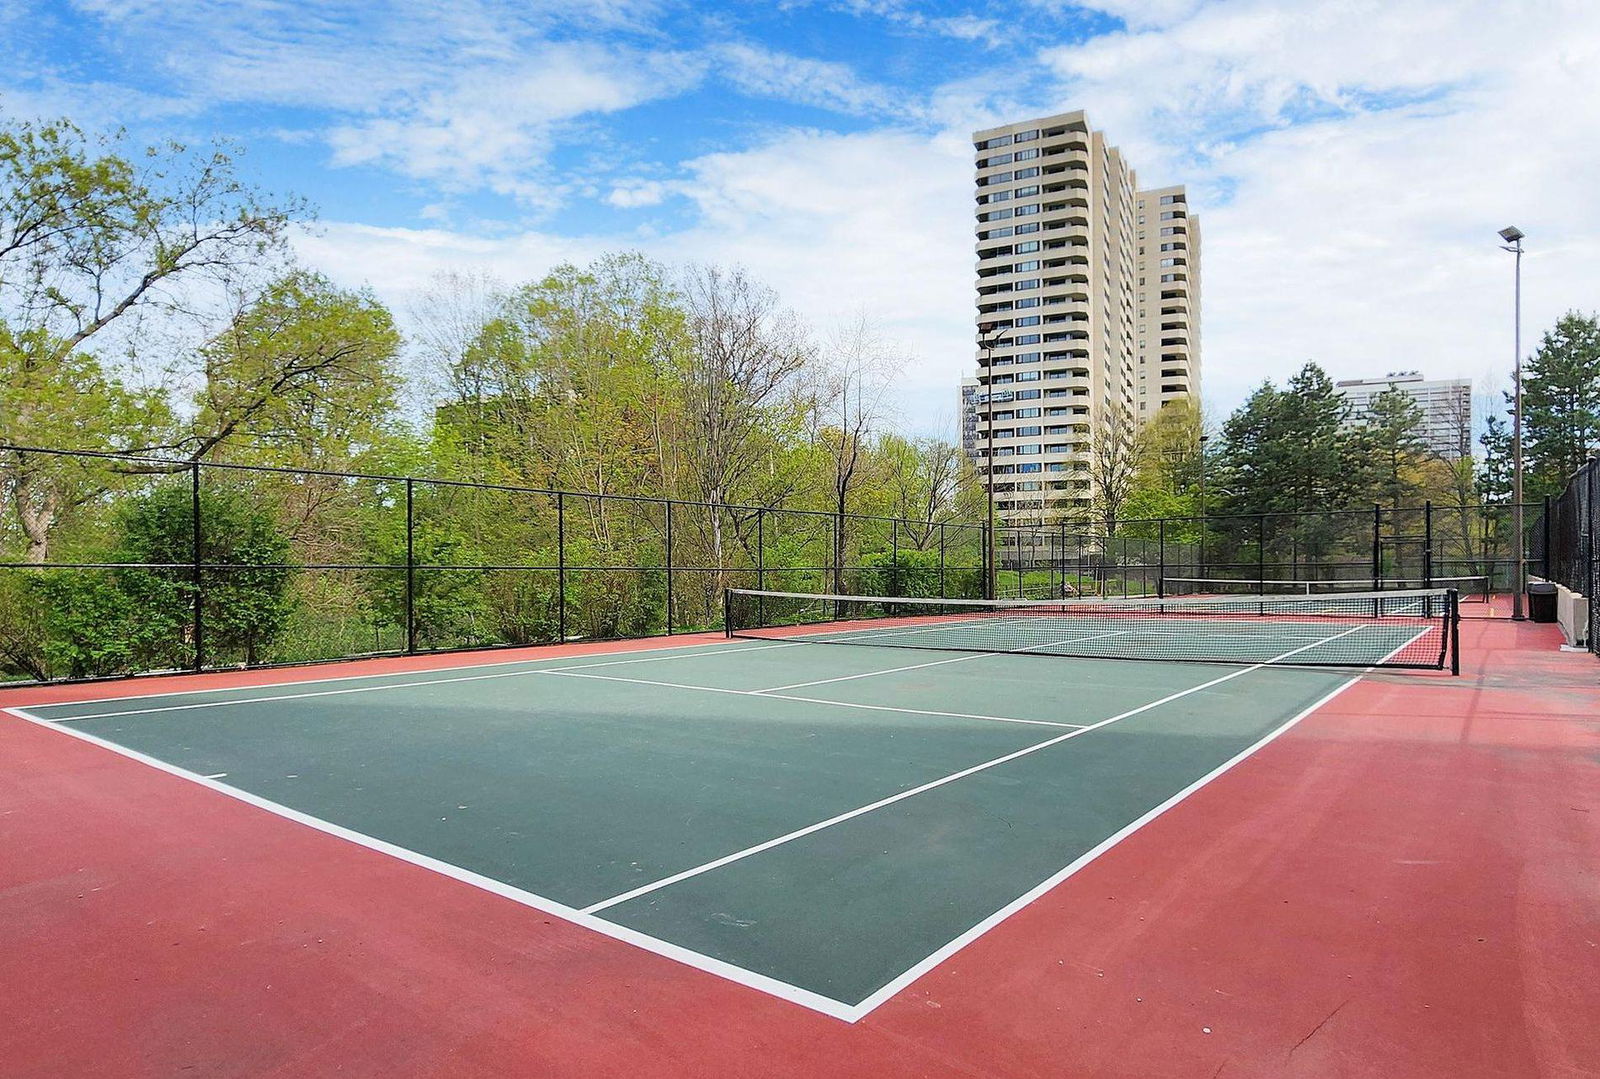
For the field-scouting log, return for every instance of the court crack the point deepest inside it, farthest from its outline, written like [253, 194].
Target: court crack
[1325, 1020]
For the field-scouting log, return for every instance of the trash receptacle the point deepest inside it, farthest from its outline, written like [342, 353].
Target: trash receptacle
[1542, 601]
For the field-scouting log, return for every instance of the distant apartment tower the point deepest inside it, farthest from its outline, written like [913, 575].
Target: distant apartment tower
[969, 417]
[1446, 406]
[1087, 308]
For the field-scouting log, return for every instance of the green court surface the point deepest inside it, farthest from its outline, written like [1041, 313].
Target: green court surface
[818, 821]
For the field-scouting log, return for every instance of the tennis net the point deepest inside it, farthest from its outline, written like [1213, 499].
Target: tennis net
[1415, 629]
[1476, 587]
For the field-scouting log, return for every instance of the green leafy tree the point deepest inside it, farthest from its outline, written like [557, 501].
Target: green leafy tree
[1561, 403]
[142, 618]
[93, 234]
[303, 374]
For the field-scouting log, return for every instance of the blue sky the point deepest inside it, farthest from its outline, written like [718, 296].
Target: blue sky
[1350, 159]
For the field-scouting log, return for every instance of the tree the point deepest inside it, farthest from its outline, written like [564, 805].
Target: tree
[1392, 448]
[91, 236]
[738, 387]
[1561, 403]
[303, 374]
[849, 408]
[1114, 462]
[1285, 451]
[70, 401]
[143, 618]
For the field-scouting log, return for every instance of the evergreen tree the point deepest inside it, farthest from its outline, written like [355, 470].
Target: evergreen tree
[1390, 448]
[1561, 404]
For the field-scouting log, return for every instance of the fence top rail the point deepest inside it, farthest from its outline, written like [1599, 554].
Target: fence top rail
[176, 465]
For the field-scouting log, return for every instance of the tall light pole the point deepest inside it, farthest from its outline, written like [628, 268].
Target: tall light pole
[1513, 242]
[990, 335]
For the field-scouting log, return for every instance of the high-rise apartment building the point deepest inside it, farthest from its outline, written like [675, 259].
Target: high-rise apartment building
[1087, 308]
[1446, 406]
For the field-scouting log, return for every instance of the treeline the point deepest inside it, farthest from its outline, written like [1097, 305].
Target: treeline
[149, 305]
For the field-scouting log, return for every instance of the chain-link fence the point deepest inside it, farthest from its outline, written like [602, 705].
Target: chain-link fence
[122, 564]
[1566, 542]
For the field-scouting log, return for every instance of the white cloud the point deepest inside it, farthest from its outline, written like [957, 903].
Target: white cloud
[1351, 165]
[795, 213]
[633, 194]
[763, 72]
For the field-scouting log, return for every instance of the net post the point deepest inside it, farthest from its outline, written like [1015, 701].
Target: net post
[1427, 544]
[941, 560]
[1161, 559]
[196, 578]
[1455, 632]
[561, 567]
[669, 570]
[411, 567]
[727, 612]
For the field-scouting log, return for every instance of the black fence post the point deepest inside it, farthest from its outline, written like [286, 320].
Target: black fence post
[894, 557]
[1161, 558]
[1377, 546]
[670, 619]
[941, 561]
[561, 567]
[411, 568]
[196, 576]
[761, 548]
[1261, 554]
[1544, 564]
[1427, 544]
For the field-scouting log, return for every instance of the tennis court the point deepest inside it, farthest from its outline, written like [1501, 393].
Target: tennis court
[817, 821]
[821, 846]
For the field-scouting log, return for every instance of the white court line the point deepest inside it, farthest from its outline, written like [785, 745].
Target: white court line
[739, 975]
[374, 689]
[810, 829]
[764, 694]
[686, 649]
[936, 663]
[910, 975]
[849, 1013]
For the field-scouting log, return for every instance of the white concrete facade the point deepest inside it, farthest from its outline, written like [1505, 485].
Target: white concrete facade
[1087, 308]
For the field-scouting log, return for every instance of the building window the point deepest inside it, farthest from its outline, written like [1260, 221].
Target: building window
[1031, 226]
[1025, 155]
[1026, 339]
[1027, 246]
[1026, 376]
[1028, 301]
[1030, 468]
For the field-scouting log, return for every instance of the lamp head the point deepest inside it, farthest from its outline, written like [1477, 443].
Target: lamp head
[1511, 234]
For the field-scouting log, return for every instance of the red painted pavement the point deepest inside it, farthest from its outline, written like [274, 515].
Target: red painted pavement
[1407, 884]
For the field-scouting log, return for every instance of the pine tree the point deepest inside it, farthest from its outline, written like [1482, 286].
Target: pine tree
[1561, 403]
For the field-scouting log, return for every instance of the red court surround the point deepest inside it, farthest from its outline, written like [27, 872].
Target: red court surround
[1403, 885]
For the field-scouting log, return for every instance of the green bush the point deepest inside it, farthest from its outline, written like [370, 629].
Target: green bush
[102, 622]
